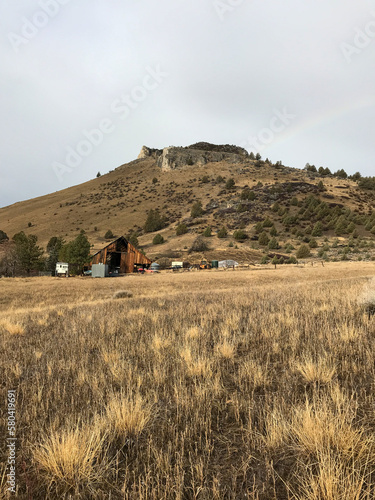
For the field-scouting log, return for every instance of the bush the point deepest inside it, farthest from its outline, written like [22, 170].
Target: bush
[267, 222]
[154, 222]
[313, 243]
[196, 209]
[222, 233]
[181, 229]
[317, 229]
[158, 239]
[207, 232]
[219, 179]
[303, 252]
[109, 235]
[240, 235]
[230, 184]
[122, 294]
[3, 236]
[263, 239]
[294, 201]
[248, 194]
[273, 244]
[199, 245]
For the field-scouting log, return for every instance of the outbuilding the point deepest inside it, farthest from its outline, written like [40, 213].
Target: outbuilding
[121, 257]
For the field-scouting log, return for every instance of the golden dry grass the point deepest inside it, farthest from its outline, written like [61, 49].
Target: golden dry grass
[208, 385]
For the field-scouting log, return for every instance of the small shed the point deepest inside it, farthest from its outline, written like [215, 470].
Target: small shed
[121, 257]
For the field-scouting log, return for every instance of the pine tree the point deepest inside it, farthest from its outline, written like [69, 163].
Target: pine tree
[28, 252]
[54, 247]
[196, 209]
[154, 222]
[263, 239]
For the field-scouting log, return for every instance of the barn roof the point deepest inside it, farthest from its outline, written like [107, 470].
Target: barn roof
[111, 243]
[123, 240]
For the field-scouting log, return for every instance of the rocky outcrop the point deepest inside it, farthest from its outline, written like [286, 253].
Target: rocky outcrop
[172, 158]
[149, 153]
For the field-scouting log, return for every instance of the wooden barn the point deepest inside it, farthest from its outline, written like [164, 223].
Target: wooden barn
[121, 257]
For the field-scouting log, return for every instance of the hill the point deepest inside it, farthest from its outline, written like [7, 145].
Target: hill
[291, 201]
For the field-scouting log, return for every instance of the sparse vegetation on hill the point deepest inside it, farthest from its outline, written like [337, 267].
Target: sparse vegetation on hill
[140, 198]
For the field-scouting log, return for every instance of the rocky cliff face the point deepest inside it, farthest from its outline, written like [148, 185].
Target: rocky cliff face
[172, 158]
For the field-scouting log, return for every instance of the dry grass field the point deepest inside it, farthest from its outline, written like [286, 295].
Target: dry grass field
[210, 385]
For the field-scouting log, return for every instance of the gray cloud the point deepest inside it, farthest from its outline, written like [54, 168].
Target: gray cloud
[231, 66]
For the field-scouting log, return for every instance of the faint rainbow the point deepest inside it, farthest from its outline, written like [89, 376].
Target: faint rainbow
[323, 117]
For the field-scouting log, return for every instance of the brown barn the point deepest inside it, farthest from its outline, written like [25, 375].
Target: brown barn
[122, 256]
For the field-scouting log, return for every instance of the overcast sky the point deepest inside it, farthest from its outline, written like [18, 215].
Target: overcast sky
[86, 83]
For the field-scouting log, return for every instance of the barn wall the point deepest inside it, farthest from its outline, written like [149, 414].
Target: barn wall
[130, 256]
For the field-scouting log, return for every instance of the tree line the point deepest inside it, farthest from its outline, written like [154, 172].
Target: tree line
[23, 256]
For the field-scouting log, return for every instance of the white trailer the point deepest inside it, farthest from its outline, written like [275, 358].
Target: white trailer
[62, 269]
[177, 265]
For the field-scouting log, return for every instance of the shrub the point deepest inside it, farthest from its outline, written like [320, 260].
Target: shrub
[291, 260]
[109, 235]
[248, 194]
[154, 180]
[313, 243]
[273, 244]
[230, 184]
[222, 233]
[205, 179]
[317, 229]
[273, 231]
[122, 294]
[207, 232]
[267, 222]
[219, 179]
[154, 222]
[181, 229]
[303, 252]
[196, 209]
[258, 227]
[263, 239]
[294, 201]
[3, 236]
[158, 239]
[199, 245]
[240, 235]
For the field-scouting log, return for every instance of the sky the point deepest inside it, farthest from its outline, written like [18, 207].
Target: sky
[84, 84]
